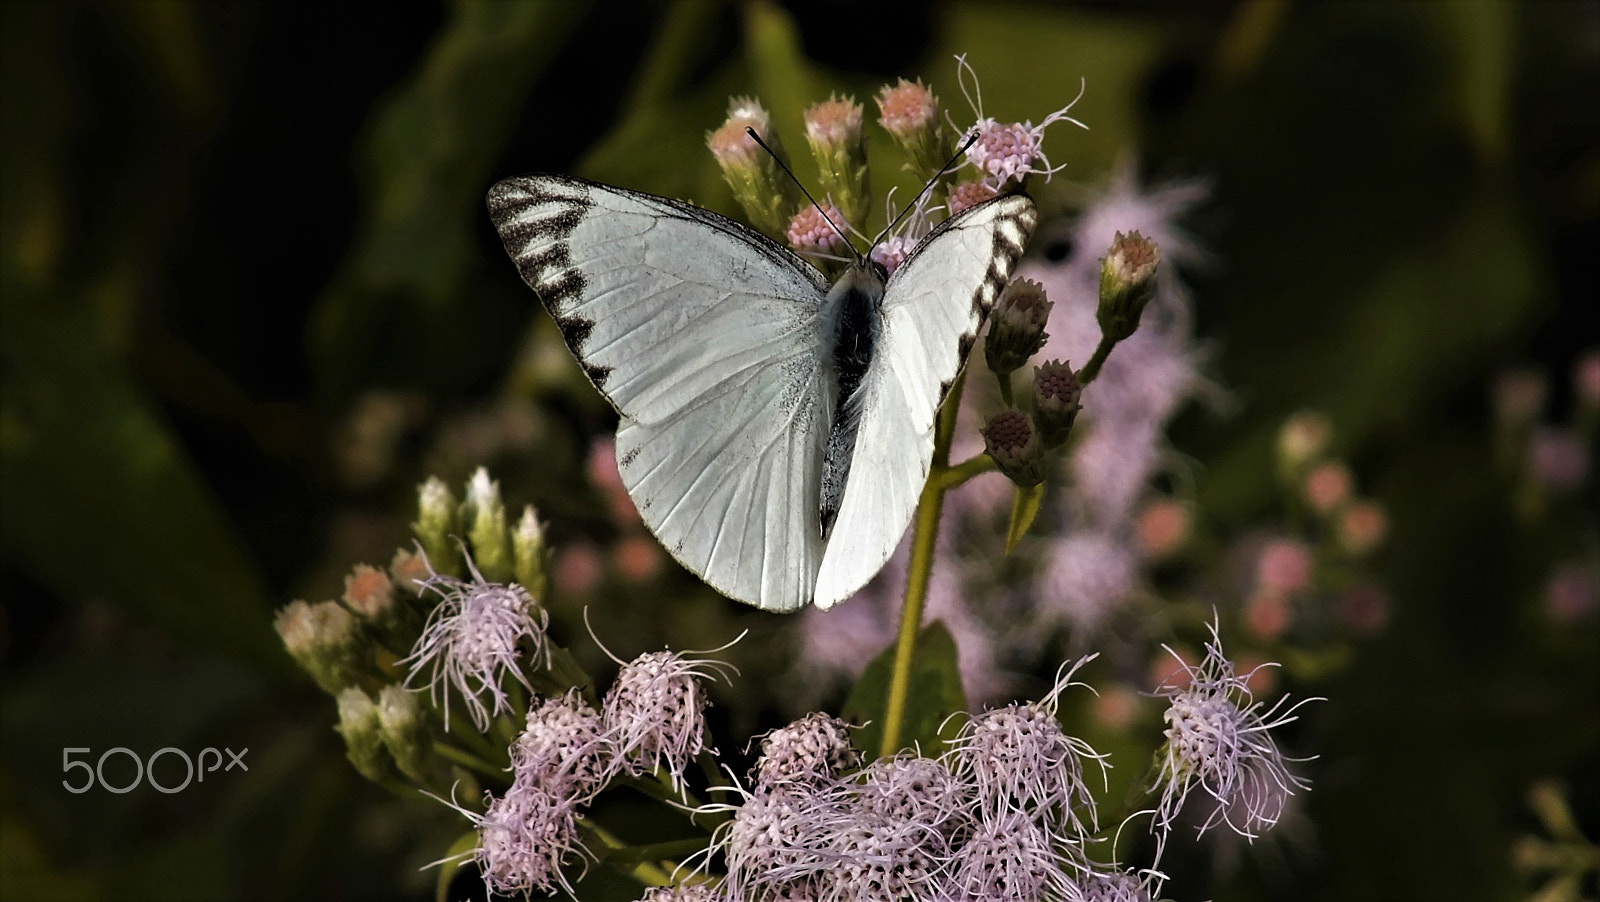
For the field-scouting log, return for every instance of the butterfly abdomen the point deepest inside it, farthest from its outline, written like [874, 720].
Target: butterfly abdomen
[851, 323]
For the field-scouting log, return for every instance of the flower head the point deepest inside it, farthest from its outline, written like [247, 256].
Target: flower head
[814, 749]
[775, 840]
[524, 839]
[881, 860]
[474, 640]
[1018, 759]
[965, 195]
[1007, 151]
[1056, 400]
[1009, 858]
[892, 251]
[1219, 740]
[909, 112]
[326, 639]
[731, 144]
[1127, 284]
[917, 790]
[654, 714]
[1113, 886]
[809, 231]
[1011, 440]
[751, 172]
[1016, 327]
[563, 749]
[833, 129]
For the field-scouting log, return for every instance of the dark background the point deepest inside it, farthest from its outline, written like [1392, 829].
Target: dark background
[225, 223]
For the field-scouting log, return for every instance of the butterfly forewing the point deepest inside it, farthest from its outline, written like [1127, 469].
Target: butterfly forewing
[705, 337]
[933, 307]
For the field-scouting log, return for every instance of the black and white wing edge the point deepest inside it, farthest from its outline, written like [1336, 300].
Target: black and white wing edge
[933, 307]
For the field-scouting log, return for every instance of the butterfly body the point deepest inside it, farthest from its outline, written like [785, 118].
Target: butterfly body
[851, 324]
[775, 429]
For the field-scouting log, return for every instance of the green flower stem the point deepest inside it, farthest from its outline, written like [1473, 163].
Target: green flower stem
[468, 760]
[1092, 368]
[1005, 388]
[929, 507]
[951, 477]
[647, 872]
[466, 732]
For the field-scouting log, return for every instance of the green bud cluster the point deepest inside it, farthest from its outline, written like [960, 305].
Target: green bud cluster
[353, 647]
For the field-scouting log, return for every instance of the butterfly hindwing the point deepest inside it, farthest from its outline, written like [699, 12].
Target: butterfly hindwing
[704, 335]
[933, 306]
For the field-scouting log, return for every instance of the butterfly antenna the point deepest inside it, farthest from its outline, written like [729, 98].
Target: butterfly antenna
[831, 224]
[925, 188]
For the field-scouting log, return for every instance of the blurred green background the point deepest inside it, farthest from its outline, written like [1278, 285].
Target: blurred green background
[225, 226]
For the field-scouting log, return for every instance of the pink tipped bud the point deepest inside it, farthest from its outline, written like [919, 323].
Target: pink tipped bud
[1127, 284]
[906, 108]
[1362, 526]
[965, 195]
[909, 112]
[1328, 486]
[833, 129]
[809, 231]
[750, 171]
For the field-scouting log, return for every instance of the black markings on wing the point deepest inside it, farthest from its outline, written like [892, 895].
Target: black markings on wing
[535, 219]
[1010, 231]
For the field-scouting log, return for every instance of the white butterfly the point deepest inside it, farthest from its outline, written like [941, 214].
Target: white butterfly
[775, 432]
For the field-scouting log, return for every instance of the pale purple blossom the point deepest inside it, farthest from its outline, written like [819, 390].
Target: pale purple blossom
[880, 860]
[1019, 759]
[814, 749]
[921, 790]
[1007, 151]
[775, 841]
[562, 748]
[654, 714]
[525, 838]
[1010, 858]
[477, 636]
[892, 251]
[1113, 886]
[1219, 741]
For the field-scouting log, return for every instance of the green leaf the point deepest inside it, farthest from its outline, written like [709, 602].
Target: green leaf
[934, 694]
[454, 858]
[1024, 510]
